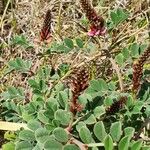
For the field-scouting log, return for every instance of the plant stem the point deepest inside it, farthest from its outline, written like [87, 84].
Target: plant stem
[98, 144]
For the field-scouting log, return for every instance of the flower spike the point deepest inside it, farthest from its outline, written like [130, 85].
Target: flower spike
[45, 33]
[138, 70]
[97, 22]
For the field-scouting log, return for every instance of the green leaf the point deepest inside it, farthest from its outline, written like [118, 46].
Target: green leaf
[129, 131]
[145, 148]
[79, 43]
[114, 19]
[51, 144]
[99, 85]
[56, 123]
[41, 135]
[42, 117]
[99, 131]
[112, 85]
[33, 83]
[84, 98]
[85, 135]
[26, 135]
[134, 48]
[108, 143]
[69, 43]
[122, 15]
[63, 98]
[90, 120]
[115, 131]
[124, 143]
[8, 146]
[33, 125]
[20, 65]
[60, 135]
[137, 145]
[63, 116]
[61, 48]
[108, 101]
[38, 146]
[118, 16]
[120, 59]
[9, 136]
[20, 40]
[19, 62]
[126, 53]
[142, 48]
[99, 111]
[24, 145]
[80, 125]
[71, 147]
[16, 93]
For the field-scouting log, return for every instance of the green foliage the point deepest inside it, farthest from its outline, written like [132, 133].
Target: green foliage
[44, 102]
[71, 147]
[8, 146]
[24, 145]
[118, 16]
[68, 43]
[108, 143]
[85, 135]
[136, 145]
[26, 135]
[63, 116]
[115, 131]
[99, 131]
[52, 145]
[60, 135]
[124, 143]
[13, 93]
[79, 42]
[21, 41]
[20, 65]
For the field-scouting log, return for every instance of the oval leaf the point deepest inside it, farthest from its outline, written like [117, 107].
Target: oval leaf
[115, 131]
[71, 147]
[24, 145]
[33, 125]
[85, 135]
[90, 120]
[8, 146]
[63, 116]
[108, 143]
[124, 143]
[60, 135]
[80, 125]
[137, 145]
[79, 43]
[26, 135]
[99, 131]
[52, 145]
[69, 43]
[129, 131]
[41, 135]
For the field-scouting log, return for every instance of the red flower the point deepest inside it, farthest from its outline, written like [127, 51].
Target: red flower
[97, 26]
[96, 31]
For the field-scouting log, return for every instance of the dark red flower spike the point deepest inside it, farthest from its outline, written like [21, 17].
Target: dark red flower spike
[138, 70]
[97, 22]
[45, 33]
[116, 106]
[78, 82]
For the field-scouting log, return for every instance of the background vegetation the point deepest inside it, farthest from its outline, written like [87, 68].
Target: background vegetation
[70, 90]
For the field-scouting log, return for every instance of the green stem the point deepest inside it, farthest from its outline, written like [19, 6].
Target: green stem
[98, 144]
